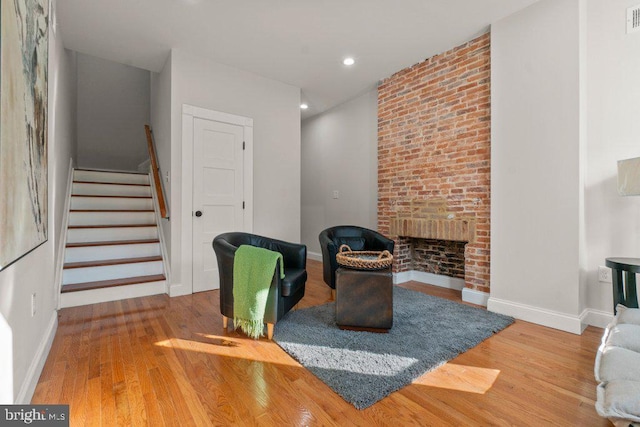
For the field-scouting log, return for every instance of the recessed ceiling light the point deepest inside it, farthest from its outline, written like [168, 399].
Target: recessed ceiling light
[349, 61]
[304, 106]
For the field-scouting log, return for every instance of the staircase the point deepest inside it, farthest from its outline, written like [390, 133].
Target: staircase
[112, 250]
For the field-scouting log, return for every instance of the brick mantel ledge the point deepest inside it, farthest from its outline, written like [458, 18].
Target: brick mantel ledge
[455, 229]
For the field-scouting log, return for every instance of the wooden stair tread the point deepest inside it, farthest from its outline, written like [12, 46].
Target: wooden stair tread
[113, 197]
[108, 171]
[111, 183]
[75, 287]
[108, 262]
[112, 226]
[112, 243]
[110, 210]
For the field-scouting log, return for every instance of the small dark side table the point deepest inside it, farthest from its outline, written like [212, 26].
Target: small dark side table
[624, 292]
[364, 299]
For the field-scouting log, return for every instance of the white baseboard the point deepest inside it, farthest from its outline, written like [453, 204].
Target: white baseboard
[178, 290]
[35, 369]
[597, 318]
[403, 276]
[540, 316]
[475, 297]
[314, 256]
[429, 279]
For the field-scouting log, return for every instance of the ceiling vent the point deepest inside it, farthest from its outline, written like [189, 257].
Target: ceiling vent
[633, 19]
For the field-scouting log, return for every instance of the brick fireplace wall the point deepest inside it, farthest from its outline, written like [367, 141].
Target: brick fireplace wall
[434, 135]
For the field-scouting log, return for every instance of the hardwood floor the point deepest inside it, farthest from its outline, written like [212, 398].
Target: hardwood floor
[167, 361]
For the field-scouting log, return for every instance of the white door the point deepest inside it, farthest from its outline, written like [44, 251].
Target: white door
[218, 194]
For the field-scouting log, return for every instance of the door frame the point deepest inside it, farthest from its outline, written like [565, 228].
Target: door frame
[189, 113]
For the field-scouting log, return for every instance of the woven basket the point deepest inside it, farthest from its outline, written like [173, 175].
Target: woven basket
[363, 260]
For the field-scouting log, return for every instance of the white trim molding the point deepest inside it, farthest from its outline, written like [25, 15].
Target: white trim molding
[597, 318]
[468, 295]
[475, 297]
[314, 256]
[189, 113]
[428, 279]
[177, 290]
[163, 246]
[37, 364]
[541, 316]
[59, 266]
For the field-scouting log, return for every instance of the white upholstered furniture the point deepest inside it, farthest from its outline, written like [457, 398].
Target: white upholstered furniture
[617, 369]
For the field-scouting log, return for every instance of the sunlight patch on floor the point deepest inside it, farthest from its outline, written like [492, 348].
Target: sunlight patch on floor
[239, 348]
[360, 361]
[469, 379]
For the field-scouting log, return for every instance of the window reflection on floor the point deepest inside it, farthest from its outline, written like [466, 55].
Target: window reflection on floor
[470, 379]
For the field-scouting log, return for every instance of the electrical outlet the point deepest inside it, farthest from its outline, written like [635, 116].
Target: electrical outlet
[604, 274]
[33, 305]
[336, 194]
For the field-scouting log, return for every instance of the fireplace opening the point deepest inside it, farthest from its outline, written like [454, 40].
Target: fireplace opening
[442, 257]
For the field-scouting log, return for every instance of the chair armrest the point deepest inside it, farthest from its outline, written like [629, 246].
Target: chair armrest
[332, 251]
[329, 263]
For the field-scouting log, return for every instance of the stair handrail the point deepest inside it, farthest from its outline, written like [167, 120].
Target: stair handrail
[155, 170]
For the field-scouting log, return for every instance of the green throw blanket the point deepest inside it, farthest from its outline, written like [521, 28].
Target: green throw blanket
[253, 270]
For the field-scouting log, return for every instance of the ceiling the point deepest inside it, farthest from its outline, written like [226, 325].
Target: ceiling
[298, 42]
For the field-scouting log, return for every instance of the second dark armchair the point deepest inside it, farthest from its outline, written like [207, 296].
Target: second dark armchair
[358, 239]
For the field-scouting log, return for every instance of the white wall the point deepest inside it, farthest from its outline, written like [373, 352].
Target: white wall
[35, 272]
[113, 107]
[536, 182]
[274, 108]
[613, 222]
[340, 152]
[161, 126]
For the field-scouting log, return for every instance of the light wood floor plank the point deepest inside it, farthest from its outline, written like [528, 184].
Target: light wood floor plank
[157, 361]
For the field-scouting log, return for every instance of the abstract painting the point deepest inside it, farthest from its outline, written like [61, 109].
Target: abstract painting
[23, 127]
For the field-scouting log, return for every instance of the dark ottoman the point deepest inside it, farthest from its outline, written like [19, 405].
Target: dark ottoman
[364, 299]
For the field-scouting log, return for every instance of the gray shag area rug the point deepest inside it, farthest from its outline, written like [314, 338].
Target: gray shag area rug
[364, 367]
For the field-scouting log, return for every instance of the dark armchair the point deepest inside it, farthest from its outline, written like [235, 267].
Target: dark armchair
[284, 294]
[358, 239]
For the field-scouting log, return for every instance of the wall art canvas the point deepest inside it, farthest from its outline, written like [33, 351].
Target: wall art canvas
[23, 127]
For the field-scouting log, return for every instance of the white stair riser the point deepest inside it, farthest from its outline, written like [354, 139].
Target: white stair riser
[110, 190]
[73, 299]
[111, 218]
[96, 176]
[108, 234]
[99, 253]
[109, 272]
[110, 203]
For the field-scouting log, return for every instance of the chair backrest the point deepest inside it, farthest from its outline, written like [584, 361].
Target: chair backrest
[356, 237]
[236, 238]
[294, 255]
